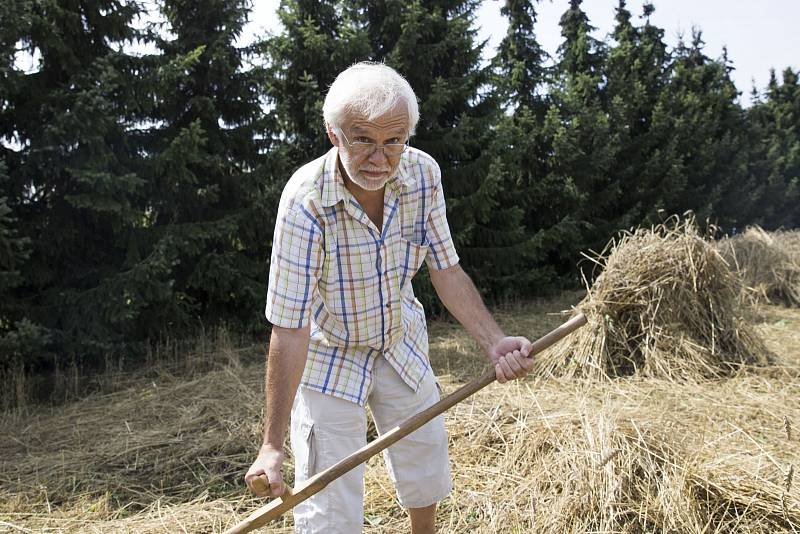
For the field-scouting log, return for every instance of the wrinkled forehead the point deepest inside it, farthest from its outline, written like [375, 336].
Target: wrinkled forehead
[394, 122]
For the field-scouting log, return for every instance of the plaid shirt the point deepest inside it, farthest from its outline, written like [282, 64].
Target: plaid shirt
[332, 268]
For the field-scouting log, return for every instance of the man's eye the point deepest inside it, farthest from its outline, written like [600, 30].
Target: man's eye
[395, 141]
[362, 140]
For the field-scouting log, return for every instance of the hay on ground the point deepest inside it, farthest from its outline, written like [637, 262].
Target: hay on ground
[768, 264]
[630, 455]
[624, 456]
[549, 456]
[665, 305]
[789, 240]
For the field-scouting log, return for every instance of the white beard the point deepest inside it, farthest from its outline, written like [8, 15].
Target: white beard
[367, 183]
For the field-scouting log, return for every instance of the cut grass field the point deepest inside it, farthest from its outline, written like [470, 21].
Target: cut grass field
[167, 450]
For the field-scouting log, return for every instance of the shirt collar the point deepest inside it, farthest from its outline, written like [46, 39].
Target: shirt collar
[333, 189]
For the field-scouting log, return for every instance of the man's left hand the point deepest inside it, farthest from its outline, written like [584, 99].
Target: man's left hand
[510, 358]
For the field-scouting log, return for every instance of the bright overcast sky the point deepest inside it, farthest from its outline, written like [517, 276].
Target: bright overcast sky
[759, 34]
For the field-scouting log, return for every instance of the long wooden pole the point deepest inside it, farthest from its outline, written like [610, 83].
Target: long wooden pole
[313, 485]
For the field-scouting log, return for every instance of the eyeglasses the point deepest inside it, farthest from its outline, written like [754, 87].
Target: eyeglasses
[367, 149]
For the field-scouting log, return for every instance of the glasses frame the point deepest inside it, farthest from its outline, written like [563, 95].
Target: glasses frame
[375, 146]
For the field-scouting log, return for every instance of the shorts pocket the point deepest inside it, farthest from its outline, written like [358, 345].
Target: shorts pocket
[439, 387]
[304, 452]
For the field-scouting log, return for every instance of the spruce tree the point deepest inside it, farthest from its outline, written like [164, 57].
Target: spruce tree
[70, 182]
[18, 335]
[202, 137]
[579, 52]
[20, 339]
[520, 61]
[709, 132]
[775, 159]
[538, 202]
[583, 148]
[14, 249]
[646, 167]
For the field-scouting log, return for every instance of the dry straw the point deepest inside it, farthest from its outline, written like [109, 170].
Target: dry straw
[664, 305]
[167, 455]
[551, 456]
[628, 456]
[768, 264]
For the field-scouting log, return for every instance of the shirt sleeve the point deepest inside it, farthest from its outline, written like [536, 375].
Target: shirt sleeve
[295, 267]
[442, 250]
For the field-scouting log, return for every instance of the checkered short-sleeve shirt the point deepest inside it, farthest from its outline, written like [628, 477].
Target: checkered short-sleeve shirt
[331, 267]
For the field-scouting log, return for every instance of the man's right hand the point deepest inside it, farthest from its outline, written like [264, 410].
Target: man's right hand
[269, 467]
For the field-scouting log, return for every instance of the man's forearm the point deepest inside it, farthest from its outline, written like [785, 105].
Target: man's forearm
[288, 350]
[461, 298]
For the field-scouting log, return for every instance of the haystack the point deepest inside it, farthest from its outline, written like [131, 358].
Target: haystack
[790, 242]
[665, 305]
[768, 264]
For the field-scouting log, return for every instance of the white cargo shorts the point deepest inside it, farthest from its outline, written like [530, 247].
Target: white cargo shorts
[325, 429]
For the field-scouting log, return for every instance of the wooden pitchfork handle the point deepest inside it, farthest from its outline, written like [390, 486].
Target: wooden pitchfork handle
[291, 498]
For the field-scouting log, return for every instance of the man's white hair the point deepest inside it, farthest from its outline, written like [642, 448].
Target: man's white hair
[370, 90]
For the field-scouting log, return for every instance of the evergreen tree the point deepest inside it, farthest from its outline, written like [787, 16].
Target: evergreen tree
[202, 135]
[15, 26]
[583, 148]
[775, 160]
[646, 167]
[520, 60]
[20, 338]
[708, 129]
[14, 251]
[70, 184]
[537, 219]
[579, 52]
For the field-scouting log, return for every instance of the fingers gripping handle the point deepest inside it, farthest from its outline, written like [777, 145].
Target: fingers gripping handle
[261, 485]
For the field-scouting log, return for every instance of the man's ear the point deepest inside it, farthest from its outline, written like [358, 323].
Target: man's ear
[331, 134]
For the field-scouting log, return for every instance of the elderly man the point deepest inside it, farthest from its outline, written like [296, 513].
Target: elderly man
[353, 228]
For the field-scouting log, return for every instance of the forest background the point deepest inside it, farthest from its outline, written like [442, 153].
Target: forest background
[138, 191]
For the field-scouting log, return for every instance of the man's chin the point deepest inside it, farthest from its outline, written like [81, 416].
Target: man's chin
[369, 183]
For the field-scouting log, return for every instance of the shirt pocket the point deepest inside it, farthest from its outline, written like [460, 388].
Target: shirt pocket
[411, 257]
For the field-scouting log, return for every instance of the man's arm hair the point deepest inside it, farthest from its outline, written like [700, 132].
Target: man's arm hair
[461, 298]
[288, 349]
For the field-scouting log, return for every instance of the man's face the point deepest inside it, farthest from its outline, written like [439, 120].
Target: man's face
[372, 171]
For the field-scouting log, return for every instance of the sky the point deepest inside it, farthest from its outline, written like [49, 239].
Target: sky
[758, 34]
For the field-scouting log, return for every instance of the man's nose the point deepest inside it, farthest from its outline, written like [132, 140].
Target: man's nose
[378, 157]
